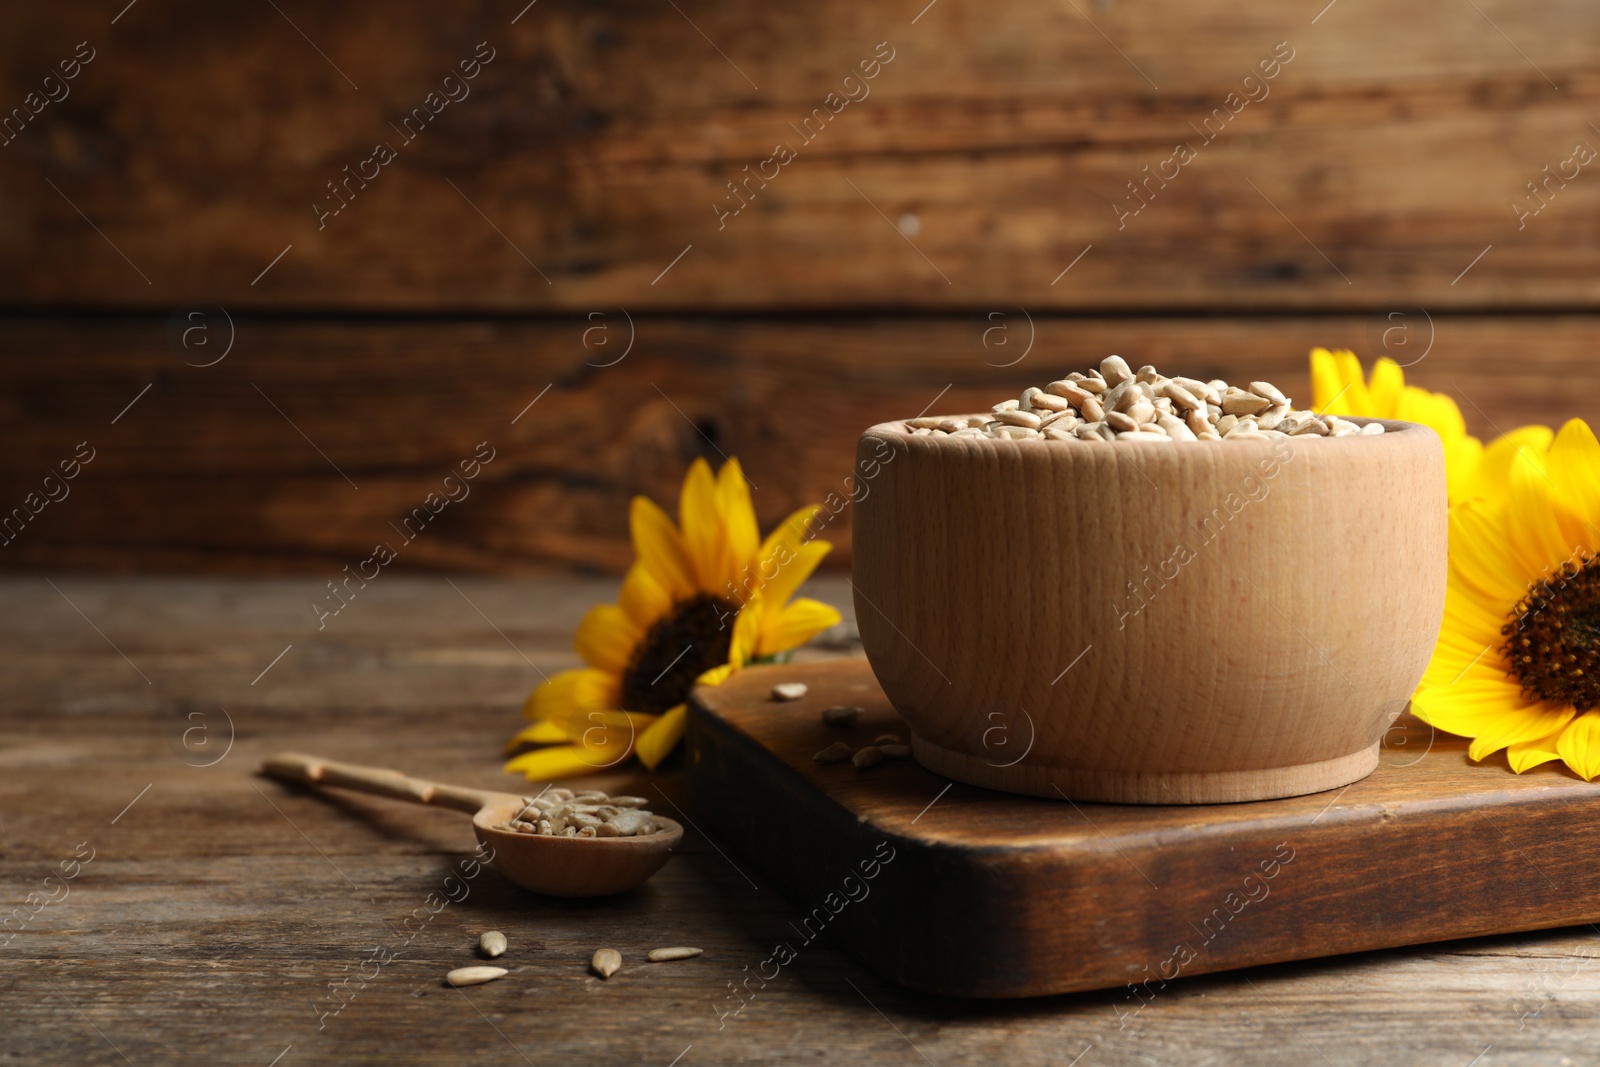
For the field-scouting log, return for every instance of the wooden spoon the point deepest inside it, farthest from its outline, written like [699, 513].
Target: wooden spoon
[559, 866]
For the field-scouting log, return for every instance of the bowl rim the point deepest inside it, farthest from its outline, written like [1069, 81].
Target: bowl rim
[899, 431]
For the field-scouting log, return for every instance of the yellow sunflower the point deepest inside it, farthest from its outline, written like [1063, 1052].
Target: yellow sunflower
[702, 599]
[1338, 388]
[1517, 665]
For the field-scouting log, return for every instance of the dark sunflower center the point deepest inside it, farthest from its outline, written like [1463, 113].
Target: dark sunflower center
[1553, 639]
[679, 648]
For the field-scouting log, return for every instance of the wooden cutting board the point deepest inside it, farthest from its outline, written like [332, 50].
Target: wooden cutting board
[962, 891]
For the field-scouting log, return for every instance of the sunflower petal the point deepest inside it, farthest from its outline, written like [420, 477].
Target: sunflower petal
[1478, 558]
[1533, 530]
[1357, 397]
[1388, 383]
[1574, 467]
[643, 598]
[557, 761]
[1579, 745]
[582, 687]
[791, 531]
[747, 632]
[702, 526]
[1492, 480]
[659, 547]
[662, 737]
[1327, 387]
[1525, 755]
[543, 732]
[742, 535]
[791, 571]
[606, 638]
[796, 623]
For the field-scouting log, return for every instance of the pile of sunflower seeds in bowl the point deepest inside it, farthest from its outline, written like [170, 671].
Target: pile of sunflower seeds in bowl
[1117, 403]
[564, 813]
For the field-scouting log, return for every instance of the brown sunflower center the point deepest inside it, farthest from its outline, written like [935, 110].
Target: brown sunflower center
[1553, 636]
[681, 646]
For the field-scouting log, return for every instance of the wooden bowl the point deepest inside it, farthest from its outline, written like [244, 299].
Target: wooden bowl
[1150, 623]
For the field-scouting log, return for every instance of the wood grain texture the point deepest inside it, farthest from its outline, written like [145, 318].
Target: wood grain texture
[593, 149]
[219, 467]
[184, 945]
[983, 894]
[1174, 623]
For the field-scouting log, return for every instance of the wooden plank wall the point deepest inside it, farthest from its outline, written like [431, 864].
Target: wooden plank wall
[953, 195]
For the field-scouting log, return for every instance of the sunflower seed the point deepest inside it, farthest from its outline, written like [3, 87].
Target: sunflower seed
[1115, 370]
[841, 715]
[474, 975]
[869, 756]
[606, 962]
[837, 752]
[1371, 428]
[492, 943]
[661, 955]
[1115, 403]
[1018, 418]
[1270, 391]
[788, 691]
[887, 739]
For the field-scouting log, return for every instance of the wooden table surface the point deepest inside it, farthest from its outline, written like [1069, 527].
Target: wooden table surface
[216, 917]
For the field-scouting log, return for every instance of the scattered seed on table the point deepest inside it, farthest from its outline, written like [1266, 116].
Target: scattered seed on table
[870, 756]
[661, 955]
[474, 975]
[493, 943]
[895, 751]
[837, 752]
[841, 715]
[606, 962]
[788, 691]
[887, 739]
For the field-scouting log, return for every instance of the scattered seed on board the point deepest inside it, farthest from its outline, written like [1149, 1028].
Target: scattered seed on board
[895, 751]
[788, 691]
[474, 975]
[1113, 403]
[870, 756]
[606, 962]
[841, 715]
[661, 955]
[837, 752]
[492, 943]
[560, 813]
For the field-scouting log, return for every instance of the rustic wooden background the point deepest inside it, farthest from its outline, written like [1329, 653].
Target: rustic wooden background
[551, 237]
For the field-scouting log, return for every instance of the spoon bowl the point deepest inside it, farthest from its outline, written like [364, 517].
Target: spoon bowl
[555, 866]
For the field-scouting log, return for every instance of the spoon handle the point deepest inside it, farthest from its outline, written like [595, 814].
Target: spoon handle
[297, 767]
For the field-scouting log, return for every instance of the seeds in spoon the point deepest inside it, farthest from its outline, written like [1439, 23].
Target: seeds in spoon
[606, 962]
[474, 975]
[492, 943]
[660, 955]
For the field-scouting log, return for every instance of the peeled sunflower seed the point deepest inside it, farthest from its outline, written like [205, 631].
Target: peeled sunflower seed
[474, 975]
[788, 691]
[661, 955]
[841, 715]
[606, 962]
[887, 739]
[492, 943]
[870, 756]
[837, 752]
